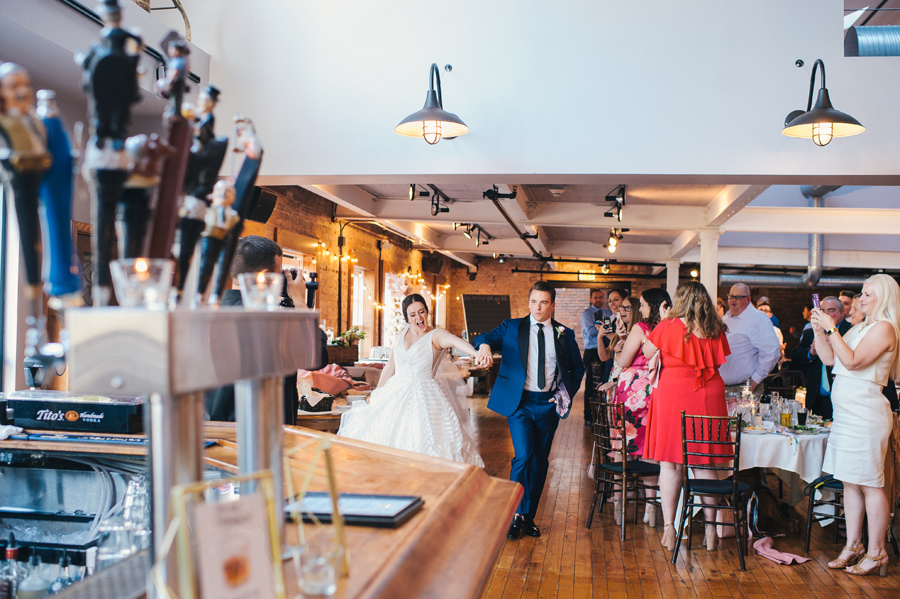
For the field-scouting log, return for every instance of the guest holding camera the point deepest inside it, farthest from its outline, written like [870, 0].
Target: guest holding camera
[863, 360]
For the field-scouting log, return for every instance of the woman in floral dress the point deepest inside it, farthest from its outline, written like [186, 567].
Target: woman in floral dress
[634, 387]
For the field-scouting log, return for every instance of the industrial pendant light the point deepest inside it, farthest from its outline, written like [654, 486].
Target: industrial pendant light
[432, 122]
[820, 122]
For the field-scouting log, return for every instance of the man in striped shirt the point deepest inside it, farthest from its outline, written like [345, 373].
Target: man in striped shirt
[754, 346]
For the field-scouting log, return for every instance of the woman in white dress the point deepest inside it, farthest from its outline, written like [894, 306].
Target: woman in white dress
[864, 358]
[420, 403]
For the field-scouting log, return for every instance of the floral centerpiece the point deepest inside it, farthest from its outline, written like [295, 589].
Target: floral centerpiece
[349, 337]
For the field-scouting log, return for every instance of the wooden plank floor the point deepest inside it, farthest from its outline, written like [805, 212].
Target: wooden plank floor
[570, 561]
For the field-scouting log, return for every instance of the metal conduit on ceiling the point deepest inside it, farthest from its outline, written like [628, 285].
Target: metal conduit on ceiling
[872, 41]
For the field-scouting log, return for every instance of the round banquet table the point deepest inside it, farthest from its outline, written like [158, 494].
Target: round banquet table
[797, 459]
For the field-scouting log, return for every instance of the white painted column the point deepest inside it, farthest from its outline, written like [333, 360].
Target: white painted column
[672, 267]
[709, 260]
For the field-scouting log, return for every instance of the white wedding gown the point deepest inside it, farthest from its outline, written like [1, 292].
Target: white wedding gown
[415, 411]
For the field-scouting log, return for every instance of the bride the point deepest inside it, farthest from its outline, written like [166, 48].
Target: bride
[420, 403]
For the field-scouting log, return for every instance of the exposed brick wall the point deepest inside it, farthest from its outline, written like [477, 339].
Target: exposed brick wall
[302, 212]
[570, 303]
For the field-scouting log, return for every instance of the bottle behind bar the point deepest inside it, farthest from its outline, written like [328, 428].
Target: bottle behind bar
[34, 586]
[11, 572]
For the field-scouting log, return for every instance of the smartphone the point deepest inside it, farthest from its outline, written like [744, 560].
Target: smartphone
[607, 322]
[815, 300]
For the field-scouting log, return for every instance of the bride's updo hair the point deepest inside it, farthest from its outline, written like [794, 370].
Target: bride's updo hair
[410, 300]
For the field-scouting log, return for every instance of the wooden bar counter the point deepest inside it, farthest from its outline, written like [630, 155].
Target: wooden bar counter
[447, 549]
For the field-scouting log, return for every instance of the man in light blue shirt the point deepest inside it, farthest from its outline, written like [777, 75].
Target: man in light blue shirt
[751, 337]
[589, 333]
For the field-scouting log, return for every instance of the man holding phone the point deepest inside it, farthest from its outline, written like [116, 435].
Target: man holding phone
[591, 326]
[818, 376]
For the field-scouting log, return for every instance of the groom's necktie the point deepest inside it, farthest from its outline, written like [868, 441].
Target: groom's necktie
[542, 359]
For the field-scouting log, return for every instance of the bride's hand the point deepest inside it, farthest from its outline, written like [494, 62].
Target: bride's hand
[485, 356]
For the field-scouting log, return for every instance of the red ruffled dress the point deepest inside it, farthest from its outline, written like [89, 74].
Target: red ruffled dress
[689, 381]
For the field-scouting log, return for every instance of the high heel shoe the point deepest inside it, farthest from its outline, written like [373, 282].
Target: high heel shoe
[857, 554]
[668, 538]
[617, 514]
[712, 537]
[881, 563]
[650, 515]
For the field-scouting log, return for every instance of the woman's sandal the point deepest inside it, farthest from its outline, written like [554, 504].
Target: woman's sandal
[881, 564]
[858, 554]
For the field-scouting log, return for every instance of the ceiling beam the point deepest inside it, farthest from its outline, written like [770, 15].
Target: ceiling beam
[839, 221]
[684, 243]
[518, 211]
[730, 201]
[738, 256]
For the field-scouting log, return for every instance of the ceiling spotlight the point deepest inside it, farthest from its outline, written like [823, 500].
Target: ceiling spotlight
[617, 197]
[820, 122]
[502, 259]
[496, 255]
[436, 206]
[604, 268]
[694, 273]
[413, 193]
[432, 122]
[468, 232]
[615, 236]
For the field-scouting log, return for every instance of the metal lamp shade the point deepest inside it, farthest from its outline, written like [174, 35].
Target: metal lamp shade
[432, 122]
[822, 122]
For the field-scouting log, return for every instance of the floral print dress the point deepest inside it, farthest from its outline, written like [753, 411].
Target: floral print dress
[633, 390]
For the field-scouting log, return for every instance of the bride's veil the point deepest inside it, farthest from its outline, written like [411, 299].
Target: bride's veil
[448, 378]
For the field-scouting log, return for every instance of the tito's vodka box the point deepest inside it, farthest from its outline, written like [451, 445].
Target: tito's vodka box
[59, 410]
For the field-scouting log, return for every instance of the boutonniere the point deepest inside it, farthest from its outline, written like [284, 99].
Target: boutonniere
[559, 331]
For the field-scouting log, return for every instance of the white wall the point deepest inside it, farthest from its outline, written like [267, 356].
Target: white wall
[580, 88]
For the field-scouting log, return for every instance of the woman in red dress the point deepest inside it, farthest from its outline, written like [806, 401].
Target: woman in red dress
[693, 345]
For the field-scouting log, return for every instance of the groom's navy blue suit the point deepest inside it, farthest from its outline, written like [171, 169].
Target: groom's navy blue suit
[531, 416]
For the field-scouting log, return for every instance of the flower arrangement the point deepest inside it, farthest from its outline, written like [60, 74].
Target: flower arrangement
[349, 337]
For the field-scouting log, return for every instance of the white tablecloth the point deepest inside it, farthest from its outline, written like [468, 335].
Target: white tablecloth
[800, 454]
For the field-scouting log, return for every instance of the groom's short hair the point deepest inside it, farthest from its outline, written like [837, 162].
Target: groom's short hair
[544, 286]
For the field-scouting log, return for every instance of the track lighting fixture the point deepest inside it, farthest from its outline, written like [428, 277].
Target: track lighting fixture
[615, 236]
[694, 273]
[604, 268]
[414, 193]
[820, 122]
[502, 259]
[436, 206]
[433, 122]
[468, 232]
[617, 197]
[494, 194]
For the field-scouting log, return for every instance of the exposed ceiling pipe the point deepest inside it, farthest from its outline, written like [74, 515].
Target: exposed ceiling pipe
[872, 41]
[520, 234]
[813, 276]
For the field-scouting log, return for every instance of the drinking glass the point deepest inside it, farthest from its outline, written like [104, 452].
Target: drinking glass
[142, 282]
[785, 415]
[801, 416]
[316, 564]
[261, 291]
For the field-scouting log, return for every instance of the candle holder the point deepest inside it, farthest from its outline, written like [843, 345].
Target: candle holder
[142, 282]
[261, 291]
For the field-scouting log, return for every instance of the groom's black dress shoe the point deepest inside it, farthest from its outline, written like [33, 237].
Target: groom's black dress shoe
[529, 527]
[515, 529]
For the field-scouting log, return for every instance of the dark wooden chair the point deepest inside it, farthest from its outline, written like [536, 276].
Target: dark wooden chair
[824, 483]
[708, 437]
[624, 474]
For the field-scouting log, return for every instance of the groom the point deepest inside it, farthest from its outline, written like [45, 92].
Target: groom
[540, 374]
